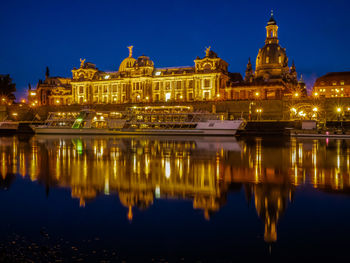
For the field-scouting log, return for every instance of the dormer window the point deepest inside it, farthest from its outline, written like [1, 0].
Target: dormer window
[334, 83]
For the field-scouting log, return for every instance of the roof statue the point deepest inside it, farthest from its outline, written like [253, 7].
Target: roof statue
[207, 51]
[130, 51]
[82, 61]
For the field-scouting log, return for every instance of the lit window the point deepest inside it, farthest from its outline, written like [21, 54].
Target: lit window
[334, 83]
[267, 60]
[158, 73]
[342, 83]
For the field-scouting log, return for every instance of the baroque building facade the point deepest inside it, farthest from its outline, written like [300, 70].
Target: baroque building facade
[137, 80]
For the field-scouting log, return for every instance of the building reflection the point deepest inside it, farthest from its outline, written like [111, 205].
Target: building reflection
[201, 170]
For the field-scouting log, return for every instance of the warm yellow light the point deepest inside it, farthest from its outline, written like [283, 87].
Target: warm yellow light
[147, 98]
[3, 99]
[259, 110]
[138, 96]
[218, 95]
[316, 94]
[181, 97]
[33, 93]
[338, 109]
[14, 114]
[23, 100]
[33, 104]
[257, 94]
[293, 109]
[315, 109]
[57, 101]
[296, 94]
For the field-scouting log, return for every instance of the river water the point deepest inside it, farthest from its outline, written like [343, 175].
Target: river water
[183, 199]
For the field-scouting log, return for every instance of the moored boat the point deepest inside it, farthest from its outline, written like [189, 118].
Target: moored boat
[159, 120]
[8, 127]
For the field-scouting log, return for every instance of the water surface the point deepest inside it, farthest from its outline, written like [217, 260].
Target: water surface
[188, 199]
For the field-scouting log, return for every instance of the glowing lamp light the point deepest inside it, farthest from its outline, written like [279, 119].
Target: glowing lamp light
[218, 95]
[57, 102]
[181, 97]
[23, 101]
[257, 94]
[147, 98]
[293, 110]
[33, 93]
[315, 109]
[338, 109]
[296, 94]
[14, 114]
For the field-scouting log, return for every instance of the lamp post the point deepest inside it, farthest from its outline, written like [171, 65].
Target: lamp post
[259, 111]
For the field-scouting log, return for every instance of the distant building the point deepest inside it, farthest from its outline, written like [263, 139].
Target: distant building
[333, 84]
[52, 90]
[272, 78]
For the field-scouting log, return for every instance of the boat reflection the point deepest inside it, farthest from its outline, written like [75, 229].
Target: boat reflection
[203, 170]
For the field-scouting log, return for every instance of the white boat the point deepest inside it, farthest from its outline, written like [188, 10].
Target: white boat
[8, 127]
[160, 120]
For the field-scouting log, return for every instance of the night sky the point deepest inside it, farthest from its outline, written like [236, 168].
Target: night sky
[36, 34]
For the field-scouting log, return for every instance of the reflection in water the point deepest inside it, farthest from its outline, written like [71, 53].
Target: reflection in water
[203, 170]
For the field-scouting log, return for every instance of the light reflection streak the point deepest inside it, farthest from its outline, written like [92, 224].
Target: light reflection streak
[140, 170]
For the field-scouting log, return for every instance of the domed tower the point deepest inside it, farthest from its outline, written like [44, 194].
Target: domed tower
[272, 60]
[128, 63]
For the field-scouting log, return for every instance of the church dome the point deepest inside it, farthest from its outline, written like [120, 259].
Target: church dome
[272, 59]
[129, 62]
[271, 55]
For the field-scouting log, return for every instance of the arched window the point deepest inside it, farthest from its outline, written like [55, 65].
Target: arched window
[267, 60]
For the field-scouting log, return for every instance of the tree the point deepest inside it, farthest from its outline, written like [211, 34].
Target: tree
[7, 88]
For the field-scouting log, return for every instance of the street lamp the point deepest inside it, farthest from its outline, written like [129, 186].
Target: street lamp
[259, 111]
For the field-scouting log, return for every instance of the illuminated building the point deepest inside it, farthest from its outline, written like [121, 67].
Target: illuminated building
[51, 91]
[333, 84]
[272, 78]
[137, 80]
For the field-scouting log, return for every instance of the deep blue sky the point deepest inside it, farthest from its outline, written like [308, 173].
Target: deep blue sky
[36, 34]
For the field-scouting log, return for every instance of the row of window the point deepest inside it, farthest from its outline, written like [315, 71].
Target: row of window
[138, 86]
[334, 83]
